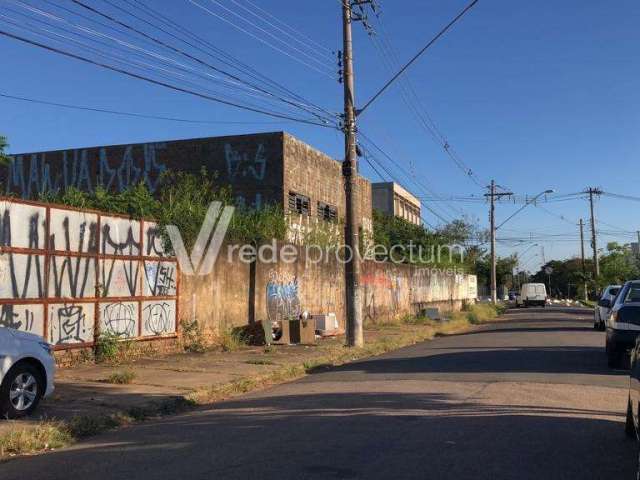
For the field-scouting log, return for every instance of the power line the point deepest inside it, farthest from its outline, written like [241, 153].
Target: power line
[119, 59]
[156, 82]
[186, 54]
[415, 106]
[131, 114]
[201, 44]
[620, 196]
[416, 56]
[266, 42]
[401, 169]
[310, 45]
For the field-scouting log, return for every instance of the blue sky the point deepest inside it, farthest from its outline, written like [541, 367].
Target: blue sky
[537, 95]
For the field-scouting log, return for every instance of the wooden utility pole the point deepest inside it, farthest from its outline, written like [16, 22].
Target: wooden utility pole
[594, 244]
[584, 266]
[354, 326]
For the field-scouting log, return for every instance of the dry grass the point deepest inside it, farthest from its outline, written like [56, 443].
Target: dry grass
[231, 341]
[46, 435]
[121, 377]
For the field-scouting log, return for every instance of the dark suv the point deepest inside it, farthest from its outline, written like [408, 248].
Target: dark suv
[623, 323]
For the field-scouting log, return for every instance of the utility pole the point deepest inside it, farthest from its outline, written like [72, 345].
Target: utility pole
[594, 244]
[492, 215]
[492, 219]
[584, 266]
[355, 337]
[638, 250]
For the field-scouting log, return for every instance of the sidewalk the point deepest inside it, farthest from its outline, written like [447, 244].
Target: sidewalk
[168, 383]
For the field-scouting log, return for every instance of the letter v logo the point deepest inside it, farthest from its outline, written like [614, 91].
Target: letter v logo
[195, 265]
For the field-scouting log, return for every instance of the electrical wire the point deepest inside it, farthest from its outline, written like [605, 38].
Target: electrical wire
[156, 82]
[266, 42]
[188, 55]
[131, 114]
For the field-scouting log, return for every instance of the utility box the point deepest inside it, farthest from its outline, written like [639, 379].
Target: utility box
[297, 332]
[327, 324]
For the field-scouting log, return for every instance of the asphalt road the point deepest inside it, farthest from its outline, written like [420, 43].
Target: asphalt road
[530, 398]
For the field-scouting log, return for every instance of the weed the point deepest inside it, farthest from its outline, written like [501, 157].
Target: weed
[45, 435]
[107, 347]
[122, 377]
[231, 340]
[260, 362]
[192, 337]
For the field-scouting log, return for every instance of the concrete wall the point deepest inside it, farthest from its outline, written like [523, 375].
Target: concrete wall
[392, 291]
[235, 291]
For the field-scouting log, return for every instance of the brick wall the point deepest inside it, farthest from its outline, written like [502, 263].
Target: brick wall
[310, 172]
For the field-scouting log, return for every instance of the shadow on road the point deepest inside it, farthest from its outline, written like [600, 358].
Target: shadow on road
[353, 436]
[564, 360]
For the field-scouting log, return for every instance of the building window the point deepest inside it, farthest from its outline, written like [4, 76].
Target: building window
[327, 212]
[298, 203]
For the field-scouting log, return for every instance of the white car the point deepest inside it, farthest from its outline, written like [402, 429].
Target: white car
[27, 370]
[602, 309]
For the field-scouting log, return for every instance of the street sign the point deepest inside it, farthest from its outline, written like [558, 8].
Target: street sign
[548, 270]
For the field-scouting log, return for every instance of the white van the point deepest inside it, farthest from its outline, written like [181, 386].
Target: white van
[532, 294]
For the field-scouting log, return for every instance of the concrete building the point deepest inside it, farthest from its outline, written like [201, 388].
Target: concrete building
[393, 199]
[260, 168]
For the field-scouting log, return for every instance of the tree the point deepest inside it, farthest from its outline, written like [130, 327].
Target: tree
[618, 265]
[4, 158]
[504, 270]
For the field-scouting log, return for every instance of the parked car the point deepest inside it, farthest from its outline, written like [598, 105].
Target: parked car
[623, 323]
[632, 424]
[532, 294]
[27, 370]
[601, 310]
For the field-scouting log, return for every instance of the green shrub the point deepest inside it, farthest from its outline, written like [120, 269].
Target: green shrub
[107, 347]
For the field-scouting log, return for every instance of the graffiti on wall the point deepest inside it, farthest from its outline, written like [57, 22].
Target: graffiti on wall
[283, 301]
[71, 323]
[30, 175]
[21, 274]
[119, 319]
[160, 278]
[95, 275]
[158, 317]
[243, 165]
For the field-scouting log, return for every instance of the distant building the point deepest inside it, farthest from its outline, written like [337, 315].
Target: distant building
[262, 168]
[392, 199]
